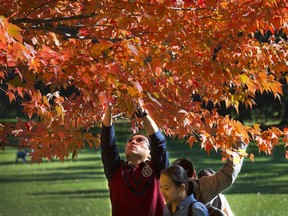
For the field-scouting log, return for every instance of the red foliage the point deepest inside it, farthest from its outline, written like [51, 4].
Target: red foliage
[161, 52]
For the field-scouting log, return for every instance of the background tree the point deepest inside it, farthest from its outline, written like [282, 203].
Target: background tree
[159, 52]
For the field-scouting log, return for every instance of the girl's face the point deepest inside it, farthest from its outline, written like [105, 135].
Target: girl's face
[171, 193]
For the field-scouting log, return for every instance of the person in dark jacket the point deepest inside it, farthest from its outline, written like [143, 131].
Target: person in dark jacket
[134, 182]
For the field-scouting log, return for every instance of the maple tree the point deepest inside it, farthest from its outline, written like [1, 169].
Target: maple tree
[162, 53]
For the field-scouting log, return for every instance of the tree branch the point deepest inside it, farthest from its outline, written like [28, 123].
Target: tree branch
[54, 19]
[13, 67]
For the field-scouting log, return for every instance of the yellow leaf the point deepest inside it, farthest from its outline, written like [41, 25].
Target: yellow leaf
[244, 78]
[251, 157]
[14, 31]
[242, 152]
[132, 91]
[60, 112]
[156, 94]
[45, 101]
[236, 159]
[250, 85]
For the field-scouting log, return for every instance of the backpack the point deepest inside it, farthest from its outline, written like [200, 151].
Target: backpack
[190, 212]
[213, 211]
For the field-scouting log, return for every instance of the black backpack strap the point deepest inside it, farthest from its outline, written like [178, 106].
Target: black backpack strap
[197, 190]
[220, 202]
[190, 211]
[213, 211]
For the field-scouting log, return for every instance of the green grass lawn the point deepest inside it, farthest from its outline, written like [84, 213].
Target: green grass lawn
[78, 187]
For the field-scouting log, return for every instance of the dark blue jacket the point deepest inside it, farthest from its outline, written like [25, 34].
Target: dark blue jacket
[131, 192]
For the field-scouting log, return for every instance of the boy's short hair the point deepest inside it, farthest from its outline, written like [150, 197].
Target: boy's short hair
[186, 164]
[206, 172]
[148, 138]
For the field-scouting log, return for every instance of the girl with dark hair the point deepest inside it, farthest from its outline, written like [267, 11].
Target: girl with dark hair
[176, 190]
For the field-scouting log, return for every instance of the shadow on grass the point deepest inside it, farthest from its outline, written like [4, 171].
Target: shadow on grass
[101, 193]
[5, 163]
[80, 159]
[81, 167]
[265, 177]
[60, 176]
[279, 187]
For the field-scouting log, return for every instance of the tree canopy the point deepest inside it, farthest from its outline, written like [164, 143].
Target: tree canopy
[62, 60]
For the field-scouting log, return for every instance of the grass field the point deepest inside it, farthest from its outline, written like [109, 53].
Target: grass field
[78, 187]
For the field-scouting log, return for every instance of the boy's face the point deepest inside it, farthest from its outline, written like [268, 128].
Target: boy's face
[138, 145]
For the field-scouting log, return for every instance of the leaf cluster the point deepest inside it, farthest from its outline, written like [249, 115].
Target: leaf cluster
[160, 52]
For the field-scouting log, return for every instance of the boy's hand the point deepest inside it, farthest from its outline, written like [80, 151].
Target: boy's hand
[140, 112]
